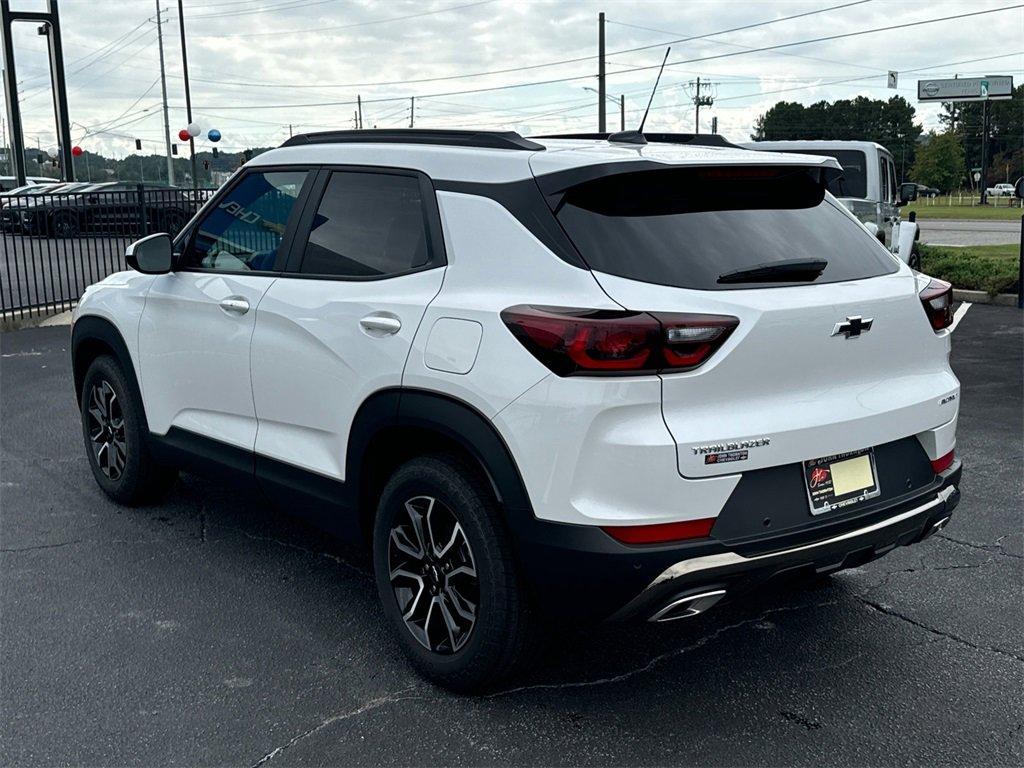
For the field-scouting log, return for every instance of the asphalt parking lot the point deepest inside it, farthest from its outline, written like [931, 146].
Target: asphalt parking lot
[215, 630]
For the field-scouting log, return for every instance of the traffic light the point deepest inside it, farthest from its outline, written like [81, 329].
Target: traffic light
[215, 152]
[206, 165]
[174, 149]
[138, 144]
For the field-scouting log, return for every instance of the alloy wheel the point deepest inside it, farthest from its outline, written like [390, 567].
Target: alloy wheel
[107, 430]
[433, 575]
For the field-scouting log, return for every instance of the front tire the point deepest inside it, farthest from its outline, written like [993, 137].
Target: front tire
[446, 575]
[65, 224]
[113, 426]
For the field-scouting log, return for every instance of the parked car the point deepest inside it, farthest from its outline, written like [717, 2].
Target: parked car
[108, 208]
[17, 210]
[552, 378]
[1000, 190]
[868, 188]
[926, 191]
[8, 183]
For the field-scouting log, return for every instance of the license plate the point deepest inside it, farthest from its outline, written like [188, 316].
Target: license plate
[838, 481]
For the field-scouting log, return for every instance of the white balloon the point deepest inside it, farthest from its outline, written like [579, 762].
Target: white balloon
[52, 153]
[194, 129]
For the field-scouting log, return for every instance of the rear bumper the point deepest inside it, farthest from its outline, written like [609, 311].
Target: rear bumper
[580, 573]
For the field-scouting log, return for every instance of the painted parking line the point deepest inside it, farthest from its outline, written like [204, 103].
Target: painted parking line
[959, 314]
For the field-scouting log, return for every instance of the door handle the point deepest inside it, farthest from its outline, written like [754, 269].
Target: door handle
[380, 324]
[234, 305]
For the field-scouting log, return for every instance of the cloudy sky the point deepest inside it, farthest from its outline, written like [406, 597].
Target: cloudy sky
[260, 66]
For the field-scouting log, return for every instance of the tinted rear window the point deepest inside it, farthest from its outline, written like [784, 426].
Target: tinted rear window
[854, 181]
[688, 227]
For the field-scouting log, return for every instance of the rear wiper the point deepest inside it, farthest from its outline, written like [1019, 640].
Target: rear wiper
[777, 271]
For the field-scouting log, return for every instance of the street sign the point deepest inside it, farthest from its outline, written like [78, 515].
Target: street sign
[977, 176]
[966, 88]
[892, 79]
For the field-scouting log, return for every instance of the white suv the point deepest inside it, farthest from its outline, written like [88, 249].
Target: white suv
[590, 378]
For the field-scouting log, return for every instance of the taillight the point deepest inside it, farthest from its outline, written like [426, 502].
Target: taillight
[601, 342]
[937, 300]
[942, 463]
[659, 533]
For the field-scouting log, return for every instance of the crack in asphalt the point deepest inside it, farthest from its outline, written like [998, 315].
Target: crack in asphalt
[990, 548]
[35, 547]
[369, 706]
[290, 545]
[656, 660]
[886, 610]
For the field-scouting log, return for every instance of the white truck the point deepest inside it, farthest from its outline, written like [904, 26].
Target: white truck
[1000, 190]
[867, 188]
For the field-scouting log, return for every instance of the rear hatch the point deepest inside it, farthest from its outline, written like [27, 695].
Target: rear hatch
[802, 376]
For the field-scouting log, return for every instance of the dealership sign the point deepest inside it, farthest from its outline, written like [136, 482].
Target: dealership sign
[966, 88]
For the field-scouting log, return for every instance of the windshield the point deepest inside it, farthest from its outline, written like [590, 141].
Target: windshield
[854, 181]
[689, 227]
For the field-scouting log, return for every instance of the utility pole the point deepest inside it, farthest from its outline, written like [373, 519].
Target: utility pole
[601, 122]
[701, 101]
[163, 87]
[622, 112]
[359, 111]
[412, 111]
[289, 130]
[188, 92]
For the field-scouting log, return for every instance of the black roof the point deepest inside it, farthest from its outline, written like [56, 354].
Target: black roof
[452, 138]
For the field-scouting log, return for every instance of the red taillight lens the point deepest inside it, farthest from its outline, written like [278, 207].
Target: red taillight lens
[608, 342]
[942, 463]
[937, 300]
[661, 532]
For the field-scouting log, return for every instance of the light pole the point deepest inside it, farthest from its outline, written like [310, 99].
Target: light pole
[621, 101]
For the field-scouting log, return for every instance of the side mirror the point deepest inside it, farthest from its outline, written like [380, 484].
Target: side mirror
[150, 255]
[908, 193]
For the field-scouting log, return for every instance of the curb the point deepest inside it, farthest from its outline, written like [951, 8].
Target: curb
[41, 321]
[981, 297]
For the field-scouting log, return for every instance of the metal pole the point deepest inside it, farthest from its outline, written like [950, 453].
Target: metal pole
[1020, 268]
[601, 109]
[359, 109]
[983, 184]
[622, 112]
[163, 87]
[11, 94]
[412, 111]
[60, 92]
[188, 92]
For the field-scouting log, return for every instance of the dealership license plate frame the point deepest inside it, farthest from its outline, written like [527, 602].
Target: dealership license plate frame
[822, 497]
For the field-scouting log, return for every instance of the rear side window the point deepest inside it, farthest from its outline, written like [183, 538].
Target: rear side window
[367, 225]
[689, 227]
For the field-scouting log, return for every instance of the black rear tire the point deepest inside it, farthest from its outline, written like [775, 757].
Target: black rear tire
[114, 430]
[915, 257]
[444, 650]
[65, 223]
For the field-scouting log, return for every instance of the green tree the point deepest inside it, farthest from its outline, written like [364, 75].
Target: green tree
[890, 123]
[940, 162]
[1006, 121]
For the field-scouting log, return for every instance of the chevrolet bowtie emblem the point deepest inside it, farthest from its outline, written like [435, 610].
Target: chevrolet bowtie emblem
[853, 326]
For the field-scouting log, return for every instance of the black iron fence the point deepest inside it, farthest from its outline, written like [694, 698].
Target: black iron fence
[54, 244]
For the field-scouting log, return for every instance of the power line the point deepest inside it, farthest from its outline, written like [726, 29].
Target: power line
[542, 65]
[354, 25]
[639, 69]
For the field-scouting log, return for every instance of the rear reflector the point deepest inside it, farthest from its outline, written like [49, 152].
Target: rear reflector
[937, 300]
[662, 532]
[942, 463]
[601, 342]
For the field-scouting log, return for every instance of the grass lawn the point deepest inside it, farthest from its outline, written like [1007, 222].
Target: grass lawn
[942, 211]
[991, 268]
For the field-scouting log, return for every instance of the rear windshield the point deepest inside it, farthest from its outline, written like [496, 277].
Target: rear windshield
[689, 227]
[854, 181]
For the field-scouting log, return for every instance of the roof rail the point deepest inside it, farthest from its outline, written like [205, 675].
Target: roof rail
[693, 139]
[451, 138]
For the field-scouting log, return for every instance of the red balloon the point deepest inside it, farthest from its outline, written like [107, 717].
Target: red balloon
[76, 151]
[184, 135]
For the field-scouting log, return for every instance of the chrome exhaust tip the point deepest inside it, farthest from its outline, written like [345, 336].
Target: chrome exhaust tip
[938, 526]
[688, 605]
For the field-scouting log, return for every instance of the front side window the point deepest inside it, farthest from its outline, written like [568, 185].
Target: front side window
[243, 232]
[367, 225]
[854, 181]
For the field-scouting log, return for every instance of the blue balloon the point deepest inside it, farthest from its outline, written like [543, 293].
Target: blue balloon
[213, 135]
